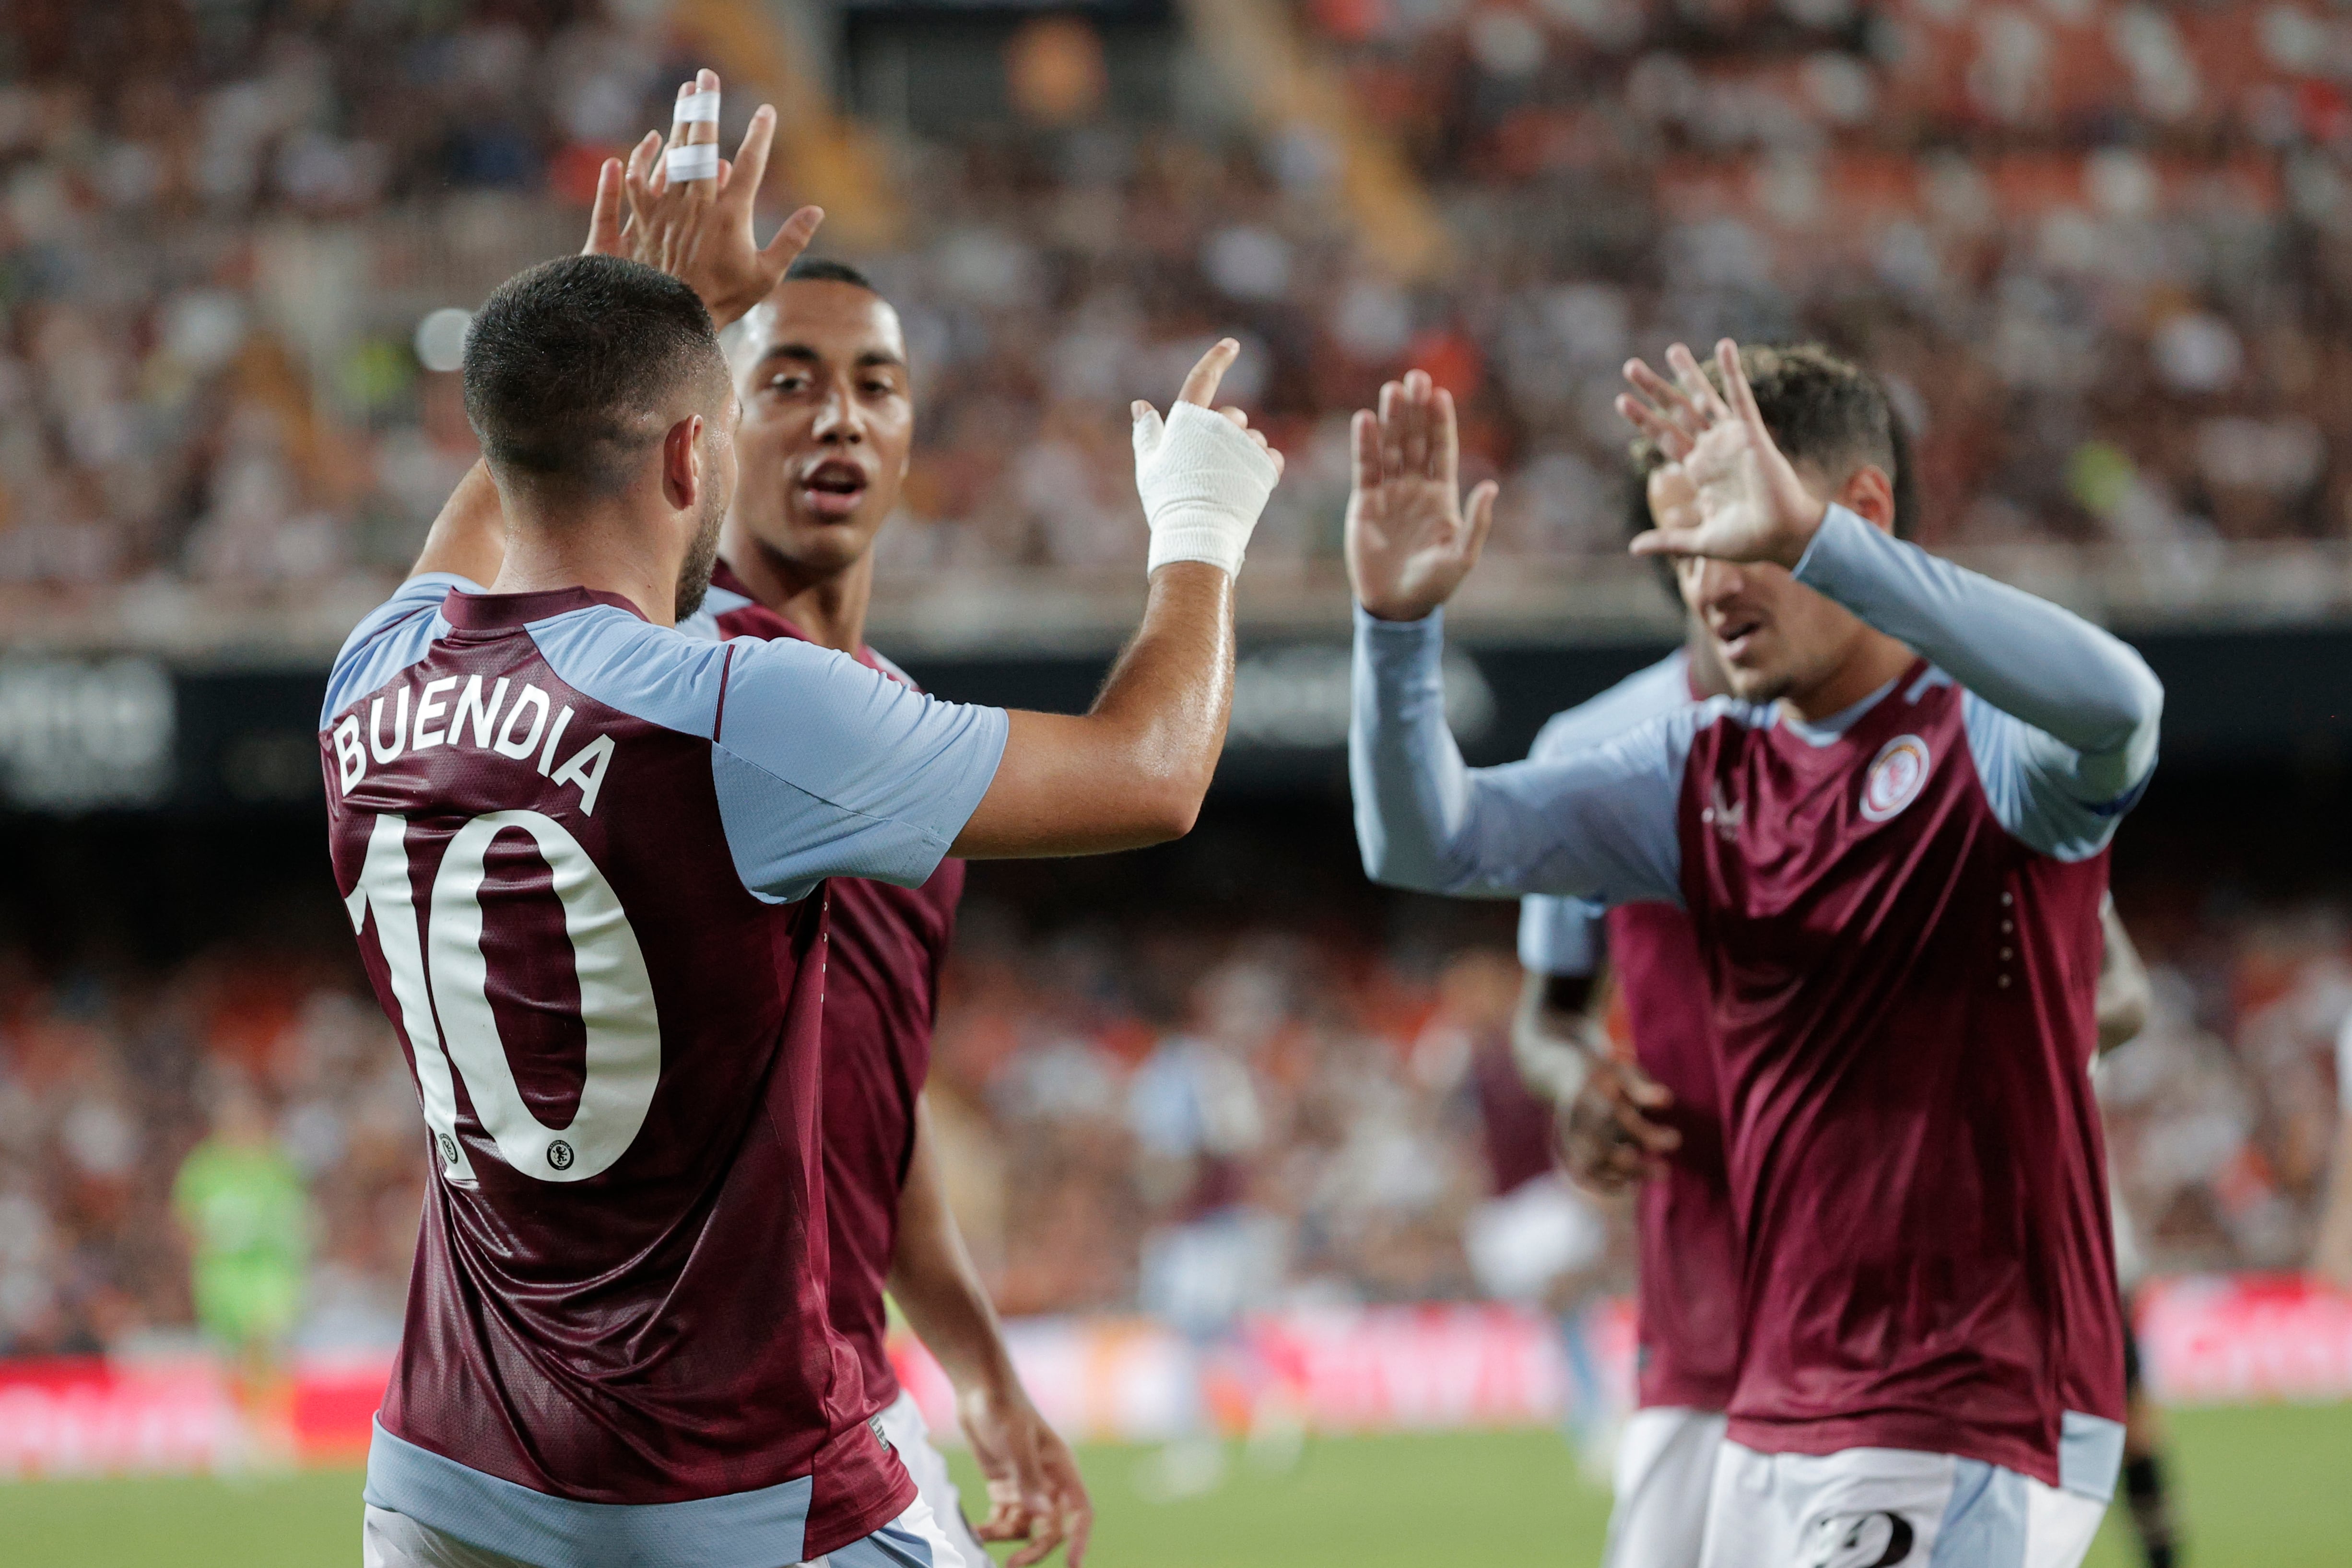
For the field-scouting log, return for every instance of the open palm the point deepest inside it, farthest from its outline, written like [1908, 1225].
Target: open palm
[1410, 540]
[699, 230]
[1745, 501]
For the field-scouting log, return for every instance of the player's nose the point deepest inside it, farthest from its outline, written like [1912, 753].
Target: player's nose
[839, 418]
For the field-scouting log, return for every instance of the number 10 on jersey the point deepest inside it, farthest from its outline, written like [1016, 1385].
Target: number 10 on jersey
[437, 971]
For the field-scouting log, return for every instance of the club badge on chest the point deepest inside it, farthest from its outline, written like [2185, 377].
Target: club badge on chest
[1894, 777]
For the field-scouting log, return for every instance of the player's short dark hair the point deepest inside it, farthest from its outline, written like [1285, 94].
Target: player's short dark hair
[821, 269]
[1823, 409]
[573, 366]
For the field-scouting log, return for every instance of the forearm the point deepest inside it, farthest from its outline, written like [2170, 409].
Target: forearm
[2124, 993]
[2024, 656]
[1597, 825]
[1412, 788]
[470, 536]
[937, 1286]
[1134, 770]
[1547, 1031]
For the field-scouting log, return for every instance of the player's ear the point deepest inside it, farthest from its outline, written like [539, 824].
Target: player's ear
[683, 474]
[1869, 494]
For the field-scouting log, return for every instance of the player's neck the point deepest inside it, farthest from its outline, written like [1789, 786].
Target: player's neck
[828, 608]
[1874, 660]
[603, 553]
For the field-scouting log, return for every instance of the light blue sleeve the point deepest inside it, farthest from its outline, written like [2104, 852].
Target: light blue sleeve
[1599, 824]
[1558, 935]
[389, 638]
[825, 767]
[1562, 935]
[2062, 717]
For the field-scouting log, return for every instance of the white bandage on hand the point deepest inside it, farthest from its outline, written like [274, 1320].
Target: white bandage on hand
[698, 161]
[1203, 481]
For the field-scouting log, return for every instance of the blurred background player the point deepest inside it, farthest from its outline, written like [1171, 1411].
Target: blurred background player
[1963, 796]
[1613, 1112]
[2331, 1258]
[2123, 1000]
[748, 773]
[245, 1212]
[821, 374]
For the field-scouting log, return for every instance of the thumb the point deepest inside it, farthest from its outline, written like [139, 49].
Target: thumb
[1147, 430]
[604, 217]
[1645, 1091]
[1482, 517]
[792, 239]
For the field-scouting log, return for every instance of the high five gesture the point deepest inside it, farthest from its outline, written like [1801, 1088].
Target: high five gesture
[694, 226]
[1410, 540]
[1745, 501]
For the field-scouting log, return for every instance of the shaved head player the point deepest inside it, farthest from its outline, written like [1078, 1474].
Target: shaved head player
[821, 374]
[586, 855]
[1891, 840]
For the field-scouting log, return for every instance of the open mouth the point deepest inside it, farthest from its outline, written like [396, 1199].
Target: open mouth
[833, 489]
[1736, 636]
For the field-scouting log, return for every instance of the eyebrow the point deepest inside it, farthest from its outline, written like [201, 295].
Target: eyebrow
[870, 358]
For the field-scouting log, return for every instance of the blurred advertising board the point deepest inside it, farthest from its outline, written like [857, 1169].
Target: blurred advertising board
[2209, 1340]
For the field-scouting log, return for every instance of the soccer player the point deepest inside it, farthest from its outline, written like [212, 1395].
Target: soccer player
[586, 853]
[1891, 842]
[2125, 999]
[827, 428]
[1613, 1116]
[828, 424]
[247, 1213]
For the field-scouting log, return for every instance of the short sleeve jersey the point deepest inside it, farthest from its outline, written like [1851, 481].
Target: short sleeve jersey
[1686, 1317]
[578, 851]
[889, 945]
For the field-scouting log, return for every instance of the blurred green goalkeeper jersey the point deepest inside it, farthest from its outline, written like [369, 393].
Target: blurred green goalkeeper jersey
[248, 1214]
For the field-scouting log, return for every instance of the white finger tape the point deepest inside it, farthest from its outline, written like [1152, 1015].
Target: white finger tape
[697, 162]
[698, 109]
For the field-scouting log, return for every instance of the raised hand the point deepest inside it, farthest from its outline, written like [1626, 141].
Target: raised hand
[1035, 1492]
[1745, 501]
[1203, 480]
[698, 231]
[1411, 541]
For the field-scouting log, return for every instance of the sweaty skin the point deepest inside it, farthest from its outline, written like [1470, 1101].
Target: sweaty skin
[828, 429]
[822, 450]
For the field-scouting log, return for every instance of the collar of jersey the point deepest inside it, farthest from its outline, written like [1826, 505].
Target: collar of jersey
[1828, 731]
[497, 612]
[723, 576]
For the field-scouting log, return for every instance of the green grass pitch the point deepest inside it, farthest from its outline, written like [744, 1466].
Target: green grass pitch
[2261, 1488]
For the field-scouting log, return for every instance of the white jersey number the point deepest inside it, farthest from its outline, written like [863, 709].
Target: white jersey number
[445, 966]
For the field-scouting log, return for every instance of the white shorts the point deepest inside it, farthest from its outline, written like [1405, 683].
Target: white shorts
[389, 1539]
[1665, 1469]
[1876, 1508]
[903, 1429]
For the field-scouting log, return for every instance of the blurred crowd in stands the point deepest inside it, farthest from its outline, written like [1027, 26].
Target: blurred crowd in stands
[2101, 250]
[1181, 1118]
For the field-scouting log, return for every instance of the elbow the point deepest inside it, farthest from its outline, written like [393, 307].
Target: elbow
[2127, 719]
[1167, 808]
[1175, 816]
[1387, 868]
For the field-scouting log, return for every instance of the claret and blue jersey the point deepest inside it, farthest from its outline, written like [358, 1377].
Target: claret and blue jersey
[578, 849]
[1898, 911]
[1686, 1307]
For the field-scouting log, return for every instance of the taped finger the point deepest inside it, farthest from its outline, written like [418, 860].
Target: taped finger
[696, 161]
